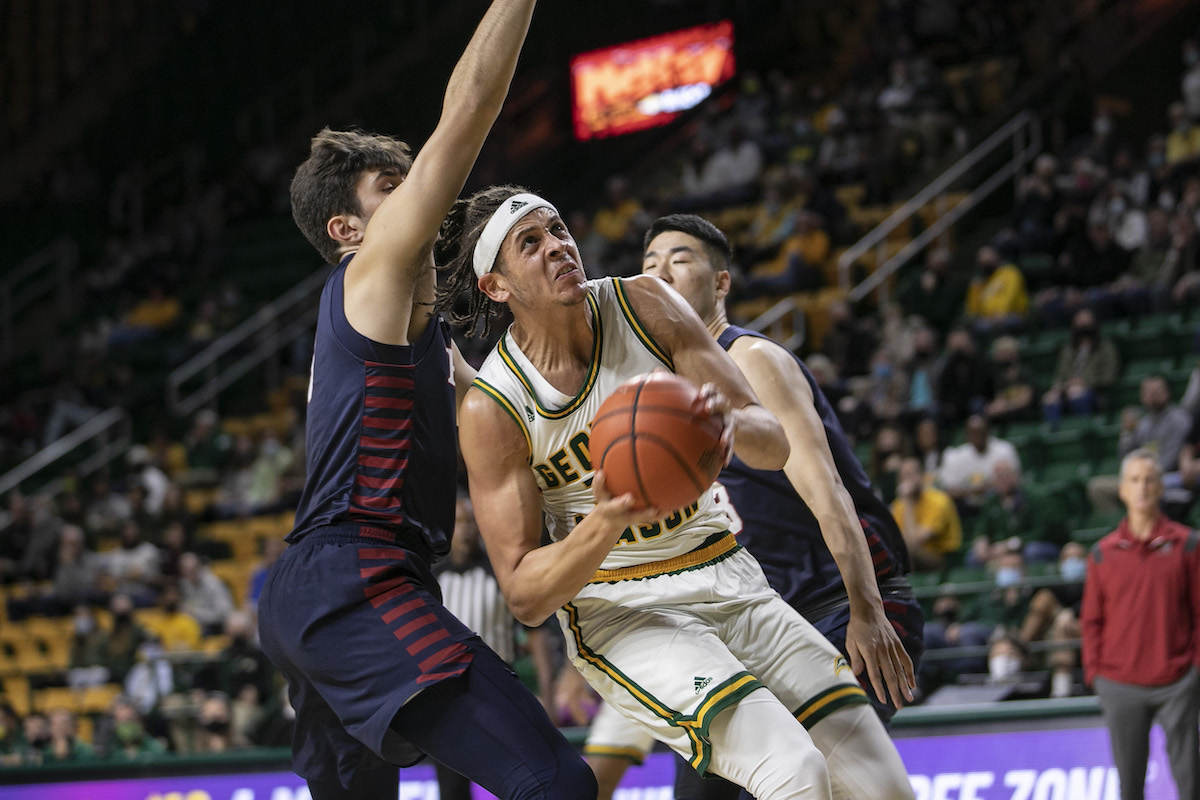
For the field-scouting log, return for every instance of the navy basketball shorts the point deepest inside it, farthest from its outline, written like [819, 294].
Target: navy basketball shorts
[358, 628]
[907, 619]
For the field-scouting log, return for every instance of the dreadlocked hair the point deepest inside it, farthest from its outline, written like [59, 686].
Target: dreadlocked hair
[454, 251]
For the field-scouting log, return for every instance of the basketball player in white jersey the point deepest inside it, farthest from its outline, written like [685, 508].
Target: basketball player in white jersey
[664, 613]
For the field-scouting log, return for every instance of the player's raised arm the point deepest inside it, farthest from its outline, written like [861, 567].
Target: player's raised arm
[536, 580]
[397, 241]
[759, 439]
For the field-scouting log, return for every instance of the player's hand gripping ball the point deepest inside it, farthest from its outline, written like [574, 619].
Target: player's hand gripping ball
[654, 439]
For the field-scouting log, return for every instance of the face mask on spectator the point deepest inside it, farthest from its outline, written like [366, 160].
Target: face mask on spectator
[1003, 666]
[1008, 576]
[1073, 569]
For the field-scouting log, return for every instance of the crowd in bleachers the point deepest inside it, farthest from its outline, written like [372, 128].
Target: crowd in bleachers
[990, 402]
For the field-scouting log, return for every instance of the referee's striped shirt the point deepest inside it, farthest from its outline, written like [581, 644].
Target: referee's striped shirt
[471, 593]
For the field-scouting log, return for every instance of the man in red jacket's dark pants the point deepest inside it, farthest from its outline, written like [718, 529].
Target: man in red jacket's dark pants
[1141, 632]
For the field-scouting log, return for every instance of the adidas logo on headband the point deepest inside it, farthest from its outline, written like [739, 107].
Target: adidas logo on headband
[505, 217]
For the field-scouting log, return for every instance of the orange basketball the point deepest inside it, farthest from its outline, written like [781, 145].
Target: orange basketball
[654, 440]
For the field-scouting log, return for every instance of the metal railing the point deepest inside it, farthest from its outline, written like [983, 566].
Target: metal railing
[1023, 133]
[109, 430]
[784, 322]
[44, 275]
[255, 341]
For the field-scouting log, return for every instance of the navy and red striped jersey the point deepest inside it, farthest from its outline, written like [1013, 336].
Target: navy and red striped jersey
[780, 530]
[380, 430]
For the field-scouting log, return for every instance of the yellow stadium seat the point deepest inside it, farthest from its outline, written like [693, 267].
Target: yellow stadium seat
[53, 697]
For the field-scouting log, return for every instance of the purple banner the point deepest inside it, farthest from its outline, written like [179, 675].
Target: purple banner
[1073, 764]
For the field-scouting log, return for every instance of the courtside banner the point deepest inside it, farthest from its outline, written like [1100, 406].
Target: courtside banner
[1069, 764]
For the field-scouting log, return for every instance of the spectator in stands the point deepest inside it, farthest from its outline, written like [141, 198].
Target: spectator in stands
[887, 453]
[1054, 616]
[1181, 488]
[1183, 142]
[41, 546]
[145, 473]
[1008, 603]
[125, 639]
[1012, 384]
[132, 568]
[1084, 276]
[147, 319]
[87, 662]
[175, 629]
[1038, 202]
[927, 518]
[773, 222]
[10, 735]
[174, 545]
[214, 719]
[243, 665]
[122, 735]
[1182, 266]
[950, 627]
[849, 342]
[28, 537]
[997, 301]
[35, 737]
[1007, 657]
[175, 510]
[1144, 286]
[1139, 625]
[1161, 427]
[880, 396]
[1011, 511]
[272, 462]
[105, 510]
[207, 448]
[927, 445]
[65, 744]
[203, 596]
[934, 294]
[921, 373]
[963, 379]
[1088, 364]
[968, 469]
[799, 267]
[232, 500]
[843, 155]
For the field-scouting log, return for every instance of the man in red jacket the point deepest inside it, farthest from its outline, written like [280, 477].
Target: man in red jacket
[1141, 632]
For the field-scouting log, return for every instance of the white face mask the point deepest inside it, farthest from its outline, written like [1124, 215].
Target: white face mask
[1073, 569]
[1003, 666]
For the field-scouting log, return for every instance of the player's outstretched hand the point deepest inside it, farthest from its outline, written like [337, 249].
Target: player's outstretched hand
[873, 645]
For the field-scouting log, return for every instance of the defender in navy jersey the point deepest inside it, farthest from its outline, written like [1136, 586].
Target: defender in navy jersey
[825, 541]
[379, 671]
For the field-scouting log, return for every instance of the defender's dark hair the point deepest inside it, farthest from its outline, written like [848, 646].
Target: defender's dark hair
[324, 185]
[720, 254]
[453, 252]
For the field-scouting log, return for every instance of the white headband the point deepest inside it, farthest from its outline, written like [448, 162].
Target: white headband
[506, 216]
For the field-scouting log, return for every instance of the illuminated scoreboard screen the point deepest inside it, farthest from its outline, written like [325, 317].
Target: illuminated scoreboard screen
[641, 84]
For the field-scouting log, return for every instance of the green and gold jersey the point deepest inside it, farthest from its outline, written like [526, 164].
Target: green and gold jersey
[556, 427]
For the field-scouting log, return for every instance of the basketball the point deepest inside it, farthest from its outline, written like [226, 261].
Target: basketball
[654, 440]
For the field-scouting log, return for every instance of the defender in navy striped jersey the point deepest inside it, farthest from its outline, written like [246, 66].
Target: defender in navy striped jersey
[379, 671]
